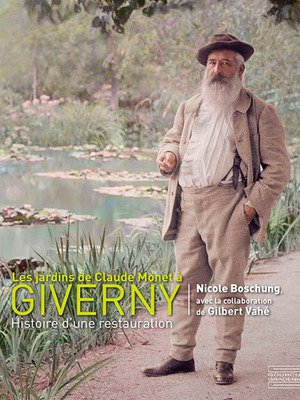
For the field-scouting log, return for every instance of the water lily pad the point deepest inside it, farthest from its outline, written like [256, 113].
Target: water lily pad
[102, 175]
[18, 152]
[19, 265]
[135, 191]
[27, 215]
[115, 152]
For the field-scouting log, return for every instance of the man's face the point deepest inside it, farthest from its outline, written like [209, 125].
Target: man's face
[222, 80]
[222, 63]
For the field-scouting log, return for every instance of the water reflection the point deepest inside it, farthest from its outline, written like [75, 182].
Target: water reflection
[20, 186]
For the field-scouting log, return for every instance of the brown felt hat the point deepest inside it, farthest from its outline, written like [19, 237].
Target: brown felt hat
[224, 41]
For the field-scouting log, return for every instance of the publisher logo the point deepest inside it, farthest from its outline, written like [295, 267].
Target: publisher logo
[284, 377]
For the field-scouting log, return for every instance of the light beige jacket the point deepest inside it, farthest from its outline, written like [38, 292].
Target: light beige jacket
[259, 138]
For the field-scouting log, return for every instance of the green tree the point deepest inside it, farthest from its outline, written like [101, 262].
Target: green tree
[153, 61]
[107, 14]
[115, 14]
[285, 10]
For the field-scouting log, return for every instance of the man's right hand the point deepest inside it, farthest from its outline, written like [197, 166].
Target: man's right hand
[167, 162]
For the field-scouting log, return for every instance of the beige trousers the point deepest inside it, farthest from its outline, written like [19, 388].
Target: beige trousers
[213, 239]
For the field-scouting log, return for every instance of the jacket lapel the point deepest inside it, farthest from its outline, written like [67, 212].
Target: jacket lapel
[241, 131]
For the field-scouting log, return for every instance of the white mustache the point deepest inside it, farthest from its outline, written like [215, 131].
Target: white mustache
[218, 78]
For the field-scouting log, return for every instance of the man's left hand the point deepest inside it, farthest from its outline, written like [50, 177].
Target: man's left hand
[250, 213]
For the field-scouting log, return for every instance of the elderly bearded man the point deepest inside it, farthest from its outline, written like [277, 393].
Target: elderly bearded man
[227, 164]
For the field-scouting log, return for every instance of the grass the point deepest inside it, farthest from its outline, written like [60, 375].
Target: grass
[77, 123]
[283, 232]
[45, 374]
[49, 123]
[29, 354]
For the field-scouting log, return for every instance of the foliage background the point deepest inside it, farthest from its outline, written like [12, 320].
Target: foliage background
[144, 73]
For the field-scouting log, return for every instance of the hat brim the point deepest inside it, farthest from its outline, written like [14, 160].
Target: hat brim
[245, 49]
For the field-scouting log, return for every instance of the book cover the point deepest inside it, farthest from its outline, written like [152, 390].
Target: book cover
[87, 284]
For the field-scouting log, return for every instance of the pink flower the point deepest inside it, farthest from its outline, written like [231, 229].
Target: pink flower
[53, 102]
[44, 98]
[26, 104]
[9, 211]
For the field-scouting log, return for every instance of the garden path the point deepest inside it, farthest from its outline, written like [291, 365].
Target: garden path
[267, 341]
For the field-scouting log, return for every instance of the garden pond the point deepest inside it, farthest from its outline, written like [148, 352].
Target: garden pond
[20, 185]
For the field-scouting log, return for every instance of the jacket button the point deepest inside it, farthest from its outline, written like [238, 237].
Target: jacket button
[172, 193]
[184, 141]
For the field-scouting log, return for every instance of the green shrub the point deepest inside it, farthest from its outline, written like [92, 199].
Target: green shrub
[283, 231]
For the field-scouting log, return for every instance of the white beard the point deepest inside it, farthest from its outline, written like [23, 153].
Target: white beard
[220, 92]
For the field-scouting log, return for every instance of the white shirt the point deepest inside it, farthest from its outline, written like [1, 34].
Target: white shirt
[210, 152]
